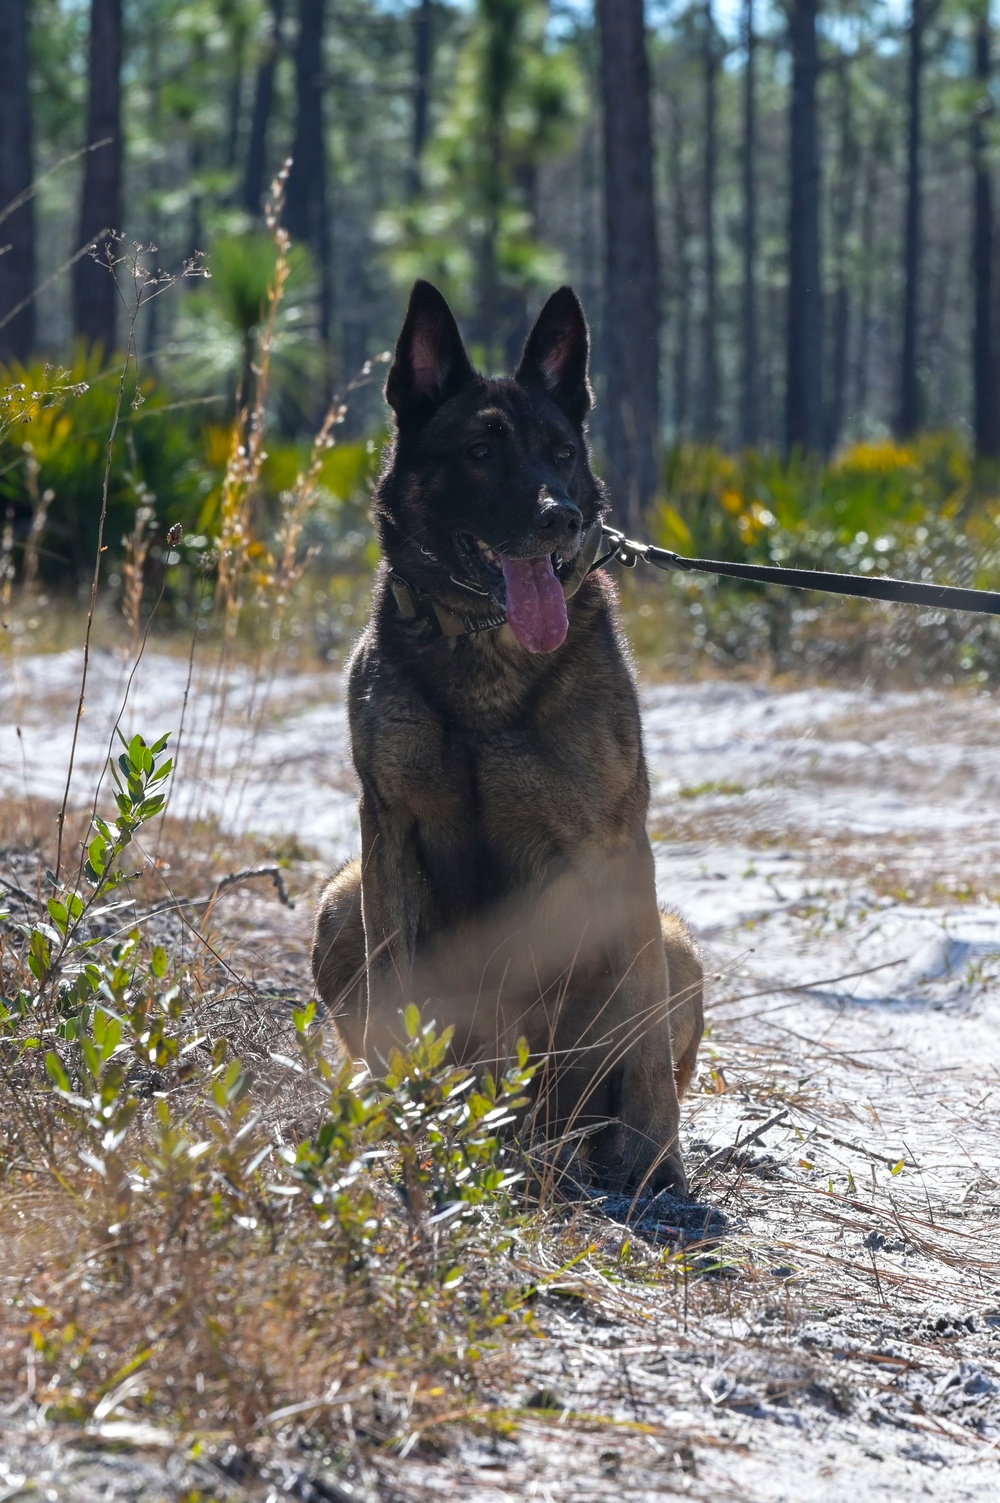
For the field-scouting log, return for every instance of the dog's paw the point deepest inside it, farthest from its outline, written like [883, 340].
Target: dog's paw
[626, 1162]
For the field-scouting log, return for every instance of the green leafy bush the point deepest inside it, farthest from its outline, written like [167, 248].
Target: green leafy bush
[62, 448]
[915, 511]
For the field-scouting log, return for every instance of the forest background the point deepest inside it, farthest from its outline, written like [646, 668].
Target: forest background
[779, 218]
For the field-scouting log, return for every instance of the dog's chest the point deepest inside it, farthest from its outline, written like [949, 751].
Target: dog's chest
[502, 808]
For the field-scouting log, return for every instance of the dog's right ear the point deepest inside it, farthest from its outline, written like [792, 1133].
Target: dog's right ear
[430, 363]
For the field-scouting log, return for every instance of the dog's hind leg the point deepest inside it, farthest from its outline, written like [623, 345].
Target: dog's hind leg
[338, 956]
[686, 980]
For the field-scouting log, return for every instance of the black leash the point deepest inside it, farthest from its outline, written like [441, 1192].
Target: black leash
[869, 587]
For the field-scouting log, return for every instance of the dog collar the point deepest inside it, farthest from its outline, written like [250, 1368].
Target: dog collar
[417, 605]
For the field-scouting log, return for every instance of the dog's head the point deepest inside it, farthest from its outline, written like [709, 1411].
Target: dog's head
[488, 491]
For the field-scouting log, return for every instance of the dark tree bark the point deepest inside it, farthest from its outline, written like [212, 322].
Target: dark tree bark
[803, 376]
[260, 116]
[631, 305]
[749, 415]
[708, 416]
[95, 298]
[841, 217]
[305, 202]
[234, 109]
[423, 62]
[17, 232]
[682, 266]
[908, 419]
[870, 199]
[984, 362]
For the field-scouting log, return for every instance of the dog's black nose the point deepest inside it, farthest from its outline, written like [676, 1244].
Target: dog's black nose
[558, 516]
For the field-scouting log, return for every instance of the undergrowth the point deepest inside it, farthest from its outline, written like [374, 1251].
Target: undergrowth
[209, 1214]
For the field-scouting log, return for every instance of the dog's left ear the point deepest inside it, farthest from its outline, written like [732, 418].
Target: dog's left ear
[555, 356]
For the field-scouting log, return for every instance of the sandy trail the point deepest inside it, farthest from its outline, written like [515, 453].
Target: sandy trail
[837, 854]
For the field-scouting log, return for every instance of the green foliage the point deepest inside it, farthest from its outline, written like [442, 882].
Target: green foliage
[162, 1114]
[62, 448]
[517, 101]
[878, 508]
[215, 347]
[74, 972]
[428, 1121]
[914, 511]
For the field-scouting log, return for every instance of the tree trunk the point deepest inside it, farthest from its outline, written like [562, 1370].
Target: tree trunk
[234, 110]
[862, 372]
[502, 28]
[842, 215]
[708, 418]
[95, 297]
[423, 62]
[17, 264]
[631, 294]
[305, 202]
[909, 381]
[803, 389]
[749, 415]
[984, 363]
[256, 163]
[682, 268]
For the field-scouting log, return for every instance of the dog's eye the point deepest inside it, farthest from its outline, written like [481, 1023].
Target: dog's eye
[480, 451]
[565, 454]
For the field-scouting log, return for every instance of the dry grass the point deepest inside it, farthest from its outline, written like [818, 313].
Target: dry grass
[853, 1292]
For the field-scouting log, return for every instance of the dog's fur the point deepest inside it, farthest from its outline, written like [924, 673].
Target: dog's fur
[506, 878]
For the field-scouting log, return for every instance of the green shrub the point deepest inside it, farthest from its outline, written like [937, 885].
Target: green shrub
[62, 448]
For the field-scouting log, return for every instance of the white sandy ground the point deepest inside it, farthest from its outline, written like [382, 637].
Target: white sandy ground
[836, 851]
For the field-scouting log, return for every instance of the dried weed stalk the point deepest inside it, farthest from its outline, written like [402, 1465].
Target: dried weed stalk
[238, 549]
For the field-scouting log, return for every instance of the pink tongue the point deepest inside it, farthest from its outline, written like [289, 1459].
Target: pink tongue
[536, 605]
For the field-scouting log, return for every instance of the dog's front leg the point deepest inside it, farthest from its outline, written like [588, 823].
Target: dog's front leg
[390, 910]
[641, 1146]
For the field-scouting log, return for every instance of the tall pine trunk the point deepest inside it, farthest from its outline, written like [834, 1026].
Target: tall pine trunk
[260, 115]
[908, 419]
[984, 362]
[842, 218]
[749, 417]
[708, 416]
[631, 292]
[803, 372]
[17, 264]
[681, 267]
[423, 61]
[95, 297]
[306, 203]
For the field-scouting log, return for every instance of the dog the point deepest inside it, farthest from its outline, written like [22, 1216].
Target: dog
[506, 879]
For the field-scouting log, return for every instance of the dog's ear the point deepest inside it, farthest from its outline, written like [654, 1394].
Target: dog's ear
[430, 363]
[555, 356]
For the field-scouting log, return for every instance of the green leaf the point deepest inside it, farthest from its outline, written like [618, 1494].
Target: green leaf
[91, 1058]
[55, 1071]
[411, 1020]
[158, 964]
[136, 748]
[107, 1033]
[59, 914]
[97, 855]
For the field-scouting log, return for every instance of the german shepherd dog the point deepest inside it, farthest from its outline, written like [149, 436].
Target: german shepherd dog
[506, 878]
